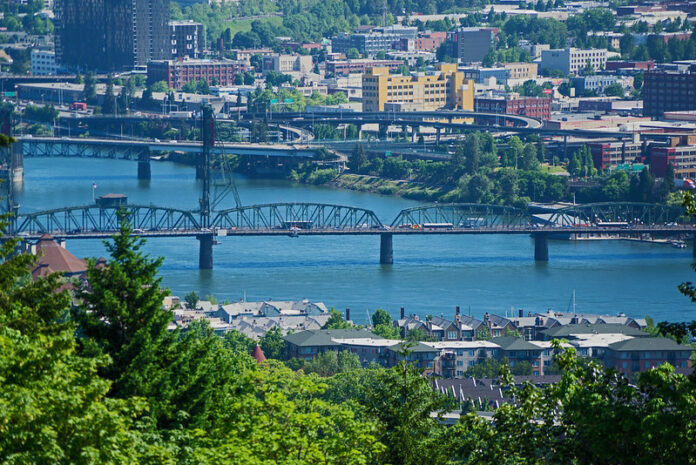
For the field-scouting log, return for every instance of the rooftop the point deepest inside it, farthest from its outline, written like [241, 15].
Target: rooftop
[649, 343]
[325, 337]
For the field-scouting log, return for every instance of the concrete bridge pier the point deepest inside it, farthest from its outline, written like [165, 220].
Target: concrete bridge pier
[386, 251]
[541, 247]
[144, 170]
[205, 253]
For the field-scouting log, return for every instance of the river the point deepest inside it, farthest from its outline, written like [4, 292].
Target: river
[430, 275]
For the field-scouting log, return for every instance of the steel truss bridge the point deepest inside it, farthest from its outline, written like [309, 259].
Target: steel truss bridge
[315, 219]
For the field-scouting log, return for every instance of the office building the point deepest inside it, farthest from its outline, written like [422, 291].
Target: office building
[187, 39]
[680, 152]
[472, 44]
[379, 40]
[345, 67]
[573, 60]
[446, 88]
[522, 71]
[669, 91]
[43, 63]
[302, 64]
[611, 154]
[111, 35]
[176, 73]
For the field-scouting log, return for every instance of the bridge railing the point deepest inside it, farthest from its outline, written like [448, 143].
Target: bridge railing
[92, 218]
[619, 213]
[296, 215]
[462, 215]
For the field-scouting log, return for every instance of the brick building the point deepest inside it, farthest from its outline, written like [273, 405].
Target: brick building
[610, 154]
[176, 73]
[680, 152]
[513, 104]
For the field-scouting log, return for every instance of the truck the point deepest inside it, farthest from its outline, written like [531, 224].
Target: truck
[81, 106]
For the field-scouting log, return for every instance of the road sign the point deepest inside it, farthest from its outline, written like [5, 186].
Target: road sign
[274, 100]
[288, 100]
[10, 94]
[387, 153]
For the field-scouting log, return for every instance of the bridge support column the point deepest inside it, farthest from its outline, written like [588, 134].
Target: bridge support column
[541, 247]
[386, 251]
[437, 135]
[199, 170]
[205, 254]
[144, 171]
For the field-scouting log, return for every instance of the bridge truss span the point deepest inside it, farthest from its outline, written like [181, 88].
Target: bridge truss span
[462, 216]
[620, 214]
[315, 216]
[94, 220]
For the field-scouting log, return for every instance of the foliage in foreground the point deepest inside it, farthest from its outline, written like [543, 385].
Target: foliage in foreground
[108, 384]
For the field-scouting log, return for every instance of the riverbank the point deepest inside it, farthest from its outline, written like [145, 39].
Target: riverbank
[400, 188]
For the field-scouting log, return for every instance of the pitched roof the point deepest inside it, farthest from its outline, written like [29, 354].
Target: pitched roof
[324, 337]
[54, 258]
[514, 343]
[258, 354]
[648, 343]
[598, 328]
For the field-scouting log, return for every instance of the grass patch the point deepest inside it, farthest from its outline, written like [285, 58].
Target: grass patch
[244, 25]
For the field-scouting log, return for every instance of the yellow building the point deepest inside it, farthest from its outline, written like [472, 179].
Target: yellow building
[445, 89]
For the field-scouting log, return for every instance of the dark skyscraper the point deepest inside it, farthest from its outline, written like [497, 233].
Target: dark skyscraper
[111, 35]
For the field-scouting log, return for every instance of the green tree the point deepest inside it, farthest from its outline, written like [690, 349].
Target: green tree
[109, 103]
[614, 90]
[404, 404]
[336, 321]
[273, 344]
[381, 317]
[191, 300]
[352, 53]
[90, 89]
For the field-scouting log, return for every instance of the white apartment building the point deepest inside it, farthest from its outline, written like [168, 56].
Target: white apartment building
[573, 60]
[43, 62]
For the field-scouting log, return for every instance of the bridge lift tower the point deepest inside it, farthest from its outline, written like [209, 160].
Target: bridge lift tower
[222, 187]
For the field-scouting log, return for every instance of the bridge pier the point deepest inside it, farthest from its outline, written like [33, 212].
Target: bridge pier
[437, 135]
[541, 247]
[199, 170]
[144, 170]
[386, 251]
[205, 253]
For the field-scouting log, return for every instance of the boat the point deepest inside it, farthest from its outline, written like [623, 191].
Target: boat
[678, 244]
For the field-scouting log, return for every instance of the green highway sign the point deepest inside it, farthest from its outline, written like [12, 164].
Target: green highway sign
[288, 100]
[10, 94]
[387, 153]
[274, 100]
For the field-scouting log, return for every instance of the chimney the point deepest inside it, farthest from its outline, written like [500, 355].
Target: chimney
[456, 310]
[347, 314]
[520, 312]
[403, 313]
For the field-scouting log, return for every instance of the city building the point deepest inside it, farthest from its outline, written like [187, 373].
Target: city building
[309, 344]
[472, 44]
[573, 60]
[641, 354]
[611, 154]
[522, 71]
[187, 39]
[378, 40]
[111, 35]
[680, 153]
[458, 356]
[345, 67]
[176, 73]
[288, 63]
[629, 65]
[426, 41]
[481, 75]
[52, 257]
[513, 104]
[446, 88]
[43, 63]
[669, 91]
[598, 83]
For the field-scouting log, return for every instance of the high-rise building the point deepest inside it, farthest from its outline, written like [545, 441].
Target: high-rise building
[187, 39]
[111, 35]
[472, 44]
[669, 91]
